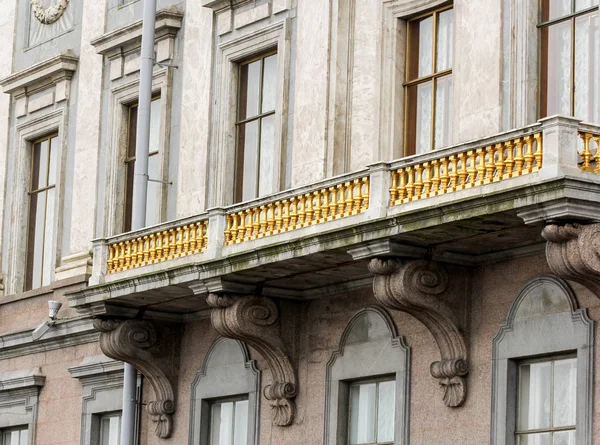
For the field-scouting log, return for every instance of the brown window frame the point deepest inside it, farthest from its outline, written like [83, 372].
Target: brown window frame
[31, 225]
[412, 60]
[130, 162]
[241, 102]
[545, 23]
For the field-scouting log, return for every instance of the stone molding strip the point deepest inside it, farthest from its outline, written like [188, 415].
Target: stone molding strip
[57, 67]
[21, 379]
[95, 365]
[415, 287]
[255, 321]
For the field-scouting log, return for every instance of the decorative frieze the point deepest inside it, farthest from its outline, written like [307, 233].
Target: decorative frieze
[416, 287]
[255, 321]
[151, 351]
[49, 15]
[573, 253]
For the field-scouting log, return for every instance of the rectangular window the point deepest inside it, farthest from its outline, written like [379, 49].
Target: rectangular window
[428, 86]
[14, 436]
[569, 79]
[372, 406]
[110, 429]
[255, 172]
[154, 188]
[42, 198]
[229, 422]
[547, 402]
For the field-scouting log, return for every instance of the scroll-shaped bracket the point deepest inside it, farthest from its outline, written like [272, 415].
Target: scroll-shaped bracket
[137, 342]
[414, 287]
[255, 321]
[573, 253]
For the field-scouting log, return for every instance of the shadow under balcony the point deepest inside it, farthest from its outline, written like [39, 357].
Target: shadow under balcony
[470, 204]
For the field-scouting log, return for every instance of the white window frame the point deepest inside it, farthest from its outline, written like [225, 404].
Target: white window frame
[352, 363]
[229, 55]
[121, 98]
[227, 372]
[546, 332]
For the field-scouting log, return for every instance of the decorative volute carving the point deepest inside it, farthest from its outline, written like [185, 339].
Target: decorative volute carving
[137, 342]
[255, 321]
[51, 14]
[414, 287]
[573, 253]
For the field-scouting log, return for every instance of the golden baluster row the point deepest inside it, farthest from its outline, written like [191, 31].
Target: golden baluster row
[327, 204]
[467, 169]
[590, 161]
[157, 247]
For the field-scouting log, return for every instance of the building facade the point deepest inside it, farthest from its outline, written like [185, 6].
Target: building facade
[368, 222]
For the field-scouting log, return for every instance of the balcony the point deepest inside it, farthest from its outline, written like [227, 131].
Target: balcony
[469, 204]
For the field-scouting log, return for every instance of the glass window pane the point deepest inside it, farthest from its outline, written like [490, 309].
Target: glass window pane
[558, 8]
[249, 90]
[53, 155]
[48, 227]
[586, 67]
[132, 131]
[248, 159]
[425, 46]
[362, 413]
[240, 434]
[565, 392]
[558, 91]
[564, 438]
[269, 83]
[445, 39]
[35, 167]
[24, 438]
[385, 411]
[222, 424]
[535, 439]
[423, 118]
[534, 396]
[42, 173]
[443, 111]
[584, 4]
[154, 189]
[155, 112]
[38, 202]
[267, 156]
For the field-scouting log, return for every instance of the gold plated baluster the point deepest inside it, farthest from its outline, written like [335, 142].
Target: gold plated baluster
[241, 227]
[186, 240]
[436, 179]
[278, 217]
[248, 223]
[270, 219]
[255, 217]
[427, 179]
[418, 181]
[597, 155]
[178, 242]
[586, 154]
[519, 160]
[293, 213]
[444, 176]
[128, 254]
[410, 185]
[489, 165]
[308, 209]
[453, 174]
[349, 198]
[529, 154]
[332, 203]
[539, 151]
[145, 247]
[394, 187]
[152, 246]
[301, 212]
[286, 216]
[111, 259]
[499, 162]
[365, 195]
[356, 196]
[472, 169]
[172, 244]
[234, 228]
[480, 166]
[401, 186]
[194, 248]
[263, 215]
[229, 220]
[121, 256]
[341, 202]
[509, 162]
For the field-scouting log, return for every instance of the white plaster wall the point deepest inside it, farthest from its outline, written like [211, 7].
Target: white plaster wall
[195, 110]
[87, 128]
[7, 23]
[310, 107]
[477, 69]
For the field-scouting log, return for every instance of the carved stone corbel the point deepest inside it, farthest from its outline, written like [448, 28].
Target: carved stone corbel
[414, 287]
[573, 253]
[255, 321]
[139, 343]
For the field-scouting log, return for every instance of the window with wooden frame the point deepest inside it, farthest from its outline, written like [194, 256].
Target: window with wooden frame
[569, 82]
[110, 429]
[428, 86]
[229, 422]
[371, 412]
[255, 152]
[42, 200]
[154, 188]
[14, 436]
[546, 402]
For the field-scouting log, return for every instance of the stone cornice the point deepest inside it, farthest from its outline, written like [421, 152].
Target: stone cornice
[21, 379]
[168, 22]
[56, 68]
[95, 365]
[217, 5]
[63, 334]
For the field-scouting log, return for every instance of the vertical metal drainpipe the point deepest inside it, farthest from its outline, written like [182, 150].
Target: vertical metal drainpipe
[140, 193]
